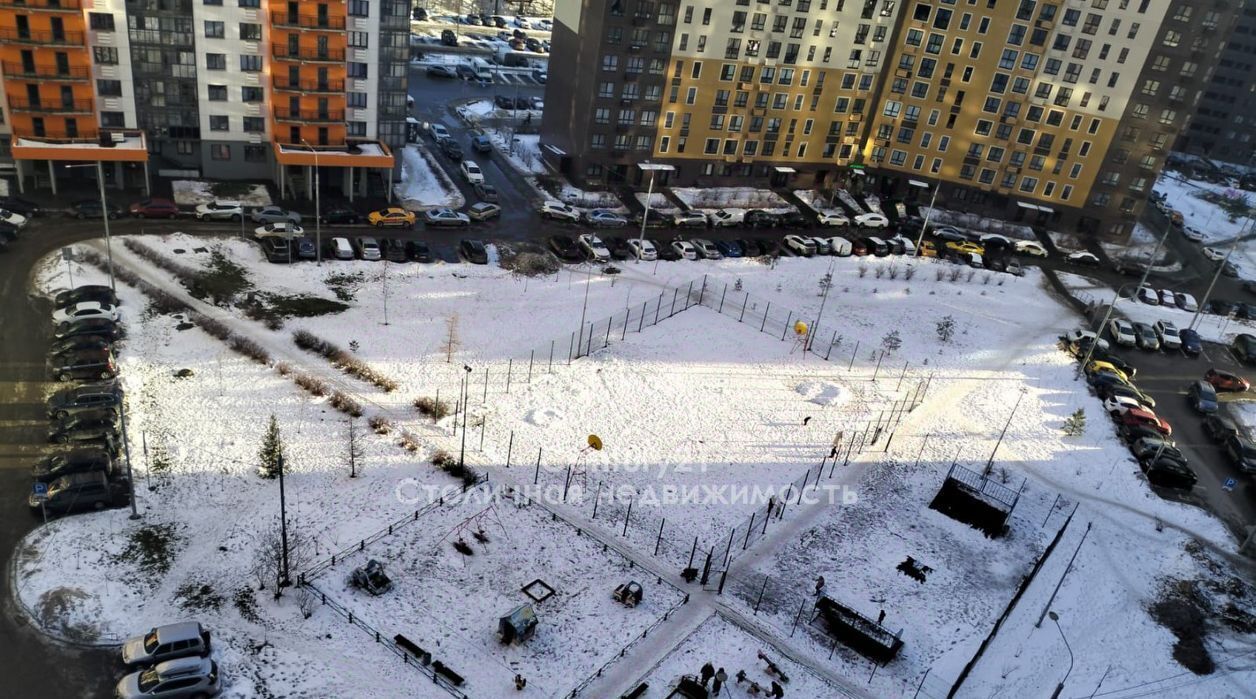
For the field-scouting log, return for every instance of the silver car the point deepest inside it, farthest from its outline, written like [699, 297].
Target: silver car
[161, 643]
[173, 679]
[275, 214]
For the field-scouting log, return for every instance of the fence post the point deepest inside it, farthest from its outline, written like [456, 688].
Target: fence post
[743, 307]
[597, 499]
[728, 549]
[760, 599]
[675, 293]
[702, 293]
[607, 341]
[571, 345]
[692, 551]
[484, 399]
[641, 323]
[483, 424]
[786, 330]
[722, 294]
[658, 308]
[566, 483]
[749, 529]
[797, 616]
[852, 357]
[659, 540]
[627, 516]
[551, 359]
[510, 447]
[627, 317]
[878, 368]
[531, 356]
[831, 343]
[902, 376]
[766, 311]
[510, 364]
[537, 476]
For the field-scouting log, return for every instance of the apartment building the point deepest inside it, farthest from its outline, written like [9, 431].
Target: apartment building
[1224, 126]
[221, 89]
[1054, 112]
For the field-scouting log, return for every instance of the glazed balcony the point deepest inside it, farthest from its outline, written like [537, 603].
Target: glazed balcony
[299, 21]
[18, 104]
[41, 38]
[309, 54]
[48, 72]
[44, 5]
[282, 83]
[310, 116]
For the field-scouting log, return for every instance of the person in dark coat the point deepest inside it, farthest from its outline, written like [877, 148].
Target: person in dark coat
[777, 691]
[741, 676]
[720, 678]
[708, 671]
[819, 584]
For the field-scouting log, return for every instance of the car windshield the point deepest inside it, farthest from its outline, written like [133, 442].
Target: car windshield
[149, 679]
[150, 640]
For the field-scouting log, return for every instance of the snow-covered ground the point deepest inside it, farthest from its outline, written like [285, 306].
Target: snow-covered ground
[658, 201]
[697, 390]
[421, 187]
[475, 111]
[1211, 327]
[588, 199]
[524, 154]
[1218, 226]
[193, 192]
[735, 200]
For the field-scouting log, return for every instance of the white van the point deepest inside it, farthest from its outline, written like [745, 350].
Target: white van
[483, 70]
[341, 249]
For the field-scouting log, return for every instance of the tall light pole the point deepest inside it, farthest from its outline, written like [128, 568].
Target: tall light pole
[1060, 687]
[104, 215]
[466, 376]
[651, 168]
[285, 580]
[1217, 274]
[990, 461]
[928, 214]
[318, 223]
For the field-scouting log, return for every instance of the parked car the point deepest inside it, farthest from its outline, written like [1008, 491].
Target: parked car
[1185, 302]
[965, 247]
[947, 234]
[471, 172]
[1168, 334]
[83, 364]
[340, 249]
[878, 247]
[1202, 396]
[305, 247]
[594, 248]
[274, 214]
[418, 251]
[1031, 248]
[1223, 380]
[1145, 418]
[799, 245]
[1083, 258]
[1122, 332]
[340, 215]
[451, 149]
[605, 218]
[25, 207]
[84, 427]
[395, 250]
[1242, 453]
[1244, 348]
[1192, 234]
[729, 248]
[191, 678]
[643, 249]
[655, 219]
[558, 211]
[1167, 472]
[759, 218]
[618, 245]
[483, 211]
[481, 144]
[438, 132]
[486, 192]
[832, 218]
[1119, 405]
[689, 219]
[1192, 345]
[821, 244]
[69, 401]
[367, 248]
[66, 463]
[664, 250]
[540, 76]
[706, 249]
[91, 208]
[219, 210]
[154, 208]
[1214, 254]
[565, 248]
[441, 70]
[1110, 387]
[162, 643]
[473, 251]
[84, 310]
[685, 249]
[78, 492]
[79, 342]
[1150, 448]
[87, 292]
[1098, 365]
[448, 37]
[841, 247]
[872, 220]
[1219, 307]
[724, 218]
[392, 217]
[1147, 338]
[280, 229]
[445, 217]
[1219, 428]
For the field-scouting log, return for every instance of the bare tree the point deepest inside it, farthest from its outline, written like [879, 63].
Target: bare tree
[451, 337]
[305, 602]
[354, 451]
[268, 561]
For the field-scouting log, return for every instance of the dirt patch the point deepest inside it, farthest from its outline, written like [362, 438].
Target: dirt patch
[344, 285]
[55, 608]
[152, 548]
[1185, 611]
[222, 279]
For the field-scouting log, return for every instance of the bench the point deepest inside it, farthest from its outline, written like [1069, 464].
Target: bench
[637, 693]
[442, 670]
[413, 648]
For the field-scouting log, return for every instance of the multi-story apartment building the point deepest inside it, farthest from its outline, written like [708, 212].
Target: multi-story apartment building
[1224, 126]
[1053, 112]
[230, 89]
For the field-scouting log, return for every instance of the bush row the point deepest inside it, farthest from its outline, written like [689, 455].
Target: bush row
[345, 404]
[187, 275]
[447, 463]
[345, 360]
[160, 300]
[431, 407]
[379, 424]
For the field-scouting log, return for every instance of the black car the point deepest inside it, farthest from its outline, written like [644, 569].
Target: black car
[1148, 449]
[1244, 348]
[504, 102]
[1242, 453]
[340, 214]
[91, 292]
[448, 37]
[1168, 472]
[73, 400]
[1219, 307]
[565, 248]
[8, 232]
[277, 250]
[749, 248]
[474, 251]
[419, 14]
[761, 219]
[665, 251]
[82, 364]
[771, 248]
[88, 326]
[1245, 311]
[395, 250]
[654, 219]
[618, 245]
[19, 205]
[1191, 344]
[1219, 428]
[451, 149]
[306, 249]
[81, 492]
[729, 248]
[1132, 433]
[79, 342]
[418, 251]
[50, 468]
[793, 219]
[84, 427]
[90, 208]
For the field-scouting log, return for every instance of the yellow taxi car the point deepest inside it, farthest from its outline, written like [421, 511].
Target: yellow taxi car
[1097, 365]
[392, 217]
[965, 247]
[928, 248]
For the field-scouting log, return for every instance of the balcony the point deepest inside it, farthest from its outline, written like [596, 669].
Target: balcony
[313, 86]
[298, 21]
[44, 5]
[16, 36]
[312, 116]
[71, 107]
[47, 72]
[307, 53]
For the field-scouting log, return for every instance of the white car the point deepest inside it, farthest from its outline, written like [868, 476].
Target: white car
[706, 249]
[1076, 336]
[1192, 234]
[1122, 332]
[1168, 334]
[287, 231]
[1031, 248]
[909, 246]
[438, 132]
[594, 247]
[800, 245]
[841, 247]
[559, 211]
[444, 216]
[1214, 254]
[832, 218]
[685, 249]
[219, 211]
[15, 220]
[1083, 258]
[723, 218]
[1167, 298]
[471, 172]
[1149, 296]
[1118, 405]
[83, 310]
[872, 221]
[1185, 302]
[643, 249]
[605, 218]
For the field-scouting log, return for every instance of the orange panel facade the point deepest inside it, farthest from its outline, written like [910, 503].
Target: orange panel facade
[47, 69]
[308, 72]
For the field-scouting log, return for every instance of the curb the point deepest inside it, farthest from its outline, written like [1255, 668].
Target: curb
[29, 614]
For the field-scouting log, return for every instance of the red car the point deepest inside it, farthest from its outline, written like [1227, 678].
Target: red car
[154, 208]
[1136, 417]
[1225, 381]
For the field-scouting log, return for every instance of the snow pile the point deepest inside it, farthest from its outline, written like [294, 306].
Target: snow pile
[193, 192]
[823, 393]
[588, 199]
[658, 201]
[731, 198]
[422, 186]
[524, 155]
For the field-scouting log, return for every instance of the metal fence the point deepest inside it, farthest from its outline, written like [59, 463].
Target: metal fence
[584, 684]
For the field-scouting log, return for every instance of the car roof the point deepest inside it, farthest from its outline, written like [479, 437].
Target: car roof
[182, 666]
[178, 630]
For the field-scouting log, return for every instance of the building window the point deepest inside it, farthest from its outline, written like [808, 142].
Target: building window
[359, 40]
[251, 94]
[105, 55]
[101, 21]
[220, 151]
[213, 61]
[185, 147]
[358, 70]
[113, 120]
[254, 124]
[250, 31]
[359, 8]
[356, 128]
[1172, 38]
[250, 64]
[217, 93]
[255, 153]
[219, 122]
[356, 100]
[109, 88]
[215, 30]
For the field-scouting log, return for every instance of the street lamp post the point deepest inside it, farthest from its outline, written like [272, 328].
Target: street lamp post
[929, 214]
[1060, 687]
[651, 168]
[104, 215]
[462, 452]
[990, 461]
[318, 228]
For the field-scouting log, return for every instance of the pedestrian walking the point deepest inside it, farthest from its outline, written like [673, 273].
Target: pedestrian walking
[720, 678]
[805, 420]
[520, 682]
[777, 691]
[881, 616]
[819, 585]
[708, 671]
[741, 676]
